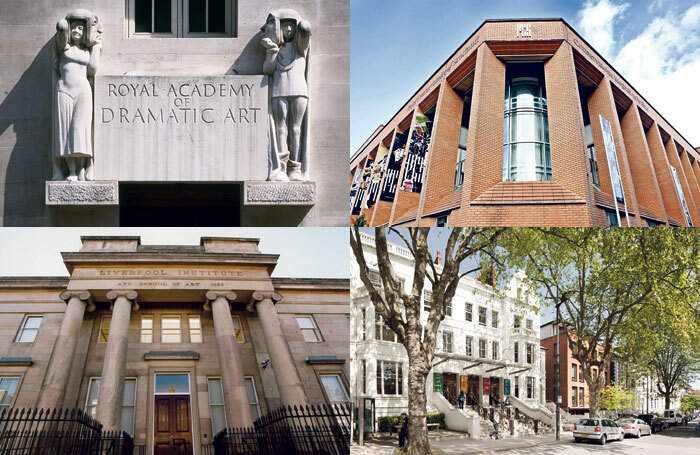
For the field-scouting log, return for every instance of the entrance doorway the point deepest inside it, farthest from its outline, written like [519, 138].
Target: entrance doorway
[172, 415]
[173, 434]
[472, 390]
[179, 204]
[449, 384]
[495, 396]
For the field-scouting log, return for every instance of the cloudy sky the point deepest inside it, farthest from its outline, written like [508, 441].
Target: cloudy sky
[304, 253]
[397, 44]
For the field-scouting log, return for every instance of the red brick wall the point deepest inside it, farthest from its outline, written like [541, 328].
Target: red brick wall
[645, 185]
[381, 214]
[692, 182]
[663, 174]
[672, 154]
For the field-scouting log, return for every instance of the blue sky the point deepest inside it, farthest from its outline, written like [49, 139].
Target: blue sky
[396, 45]
[304, 252]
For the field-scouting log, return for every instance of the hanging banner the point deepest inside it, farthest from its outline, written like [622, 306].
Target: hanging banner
[362, 188]
[506, 386]
[393, 167]
[613, 168]
[437, 382]
[487, 386]
[375, 177]
[417, 155]
[681, 196]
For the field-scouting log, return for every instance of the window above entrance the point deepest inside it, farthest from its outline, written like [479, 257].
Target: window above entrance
[180, 18]
[172, 383]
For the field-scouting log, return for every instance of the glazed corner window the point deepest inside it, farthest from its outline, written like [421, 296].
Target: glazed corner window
[238, 329]
[30, 327]
[216, 405]
[308, 329]
[195, 329]
[147, 329]
[8, 389]
[526, 126]
[170, 330]
[103, 336]
[181, 18]
[389, 378]
[128, 402]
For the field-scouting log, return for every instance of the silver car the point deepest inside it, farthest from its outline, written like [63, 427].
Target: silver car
[634, 427]
[601, 430]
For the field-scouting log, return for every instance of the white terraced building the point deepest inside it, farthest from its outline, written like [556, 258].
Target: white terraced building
[488, 347]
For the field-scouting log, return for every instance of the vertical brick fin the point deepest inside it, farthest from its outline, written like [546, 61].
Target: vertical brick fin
[601, 102]
[695, 167]
[442, 159]
[645, 184]
[485, 132]
[690, 177]
[404, 200]
[663, 174]
[673, 158]
[567, 141]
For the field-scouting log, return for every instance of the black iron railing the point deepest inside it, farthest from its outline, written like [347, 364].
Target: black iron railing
[32, 431]
[297, 430]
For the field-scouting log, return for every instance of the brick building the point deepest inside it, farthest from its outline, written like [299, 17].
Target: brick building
[193, 337]
[526, 124]
[575, 397]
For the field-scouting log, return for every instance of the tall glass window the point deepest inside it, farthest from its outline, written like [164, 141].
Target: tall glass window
[526, 127]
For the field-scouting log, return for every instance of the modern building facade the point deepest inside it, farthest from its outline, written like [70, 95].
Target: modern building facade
[488, 345]
[526, 124]
[575, 397]
[178, 114]
[172, 341]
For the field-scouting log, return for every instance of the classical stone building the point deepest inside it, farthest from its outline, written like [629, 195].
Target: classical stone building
[487, 347]
[209, 113]
[526, 124]
[192, 337]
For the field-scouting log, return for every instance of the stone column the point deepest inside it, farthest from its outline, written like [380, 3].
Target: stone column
[58, 371]
[232, 380]
[109, 401]
[286, 374]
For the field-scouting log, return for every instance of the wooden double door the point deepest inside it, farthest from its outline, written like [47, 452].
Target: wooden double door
[173, 425]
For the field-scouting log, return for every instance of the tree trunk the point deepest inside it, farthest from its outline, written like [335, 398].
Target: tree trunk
[417, 426]
[594, 392]
[667, 399]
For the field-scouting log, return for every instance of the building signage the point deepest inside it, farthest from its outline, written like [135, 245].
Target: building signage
[487, 386]
[506, 386]
[181, 128]
[524, 31]
[681, 196]
[393, 167]
[362, 187]
[170, 273]
[437, 382]
[614, 169]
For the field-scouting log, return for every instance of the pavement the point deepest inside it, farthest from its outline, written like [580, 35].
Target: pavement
[681, 440]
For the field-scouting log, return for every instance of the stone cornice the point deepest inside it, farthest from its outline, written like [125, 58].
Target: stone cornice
[33, 282]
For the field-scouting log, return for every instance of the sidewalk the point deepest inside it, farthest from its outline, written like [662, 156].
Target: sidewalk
[456, 443]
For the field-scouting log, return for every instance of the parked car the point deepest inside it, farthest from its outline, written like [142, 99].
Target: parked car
[634, 427]
[673, 416]
[655, 422]
[601, 430]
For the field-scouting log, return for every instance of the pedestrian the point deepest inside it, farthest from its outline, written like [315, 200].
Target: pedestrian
[444, 392]
[494, 420]
[403, 432]
[460, 400]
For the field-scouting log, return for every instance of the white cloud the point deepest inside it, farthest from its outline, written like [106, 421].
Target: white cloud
[596, 23]
[662, 61]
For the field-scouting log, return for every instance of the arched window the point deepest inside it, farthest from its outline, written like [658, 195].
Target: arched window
[526, 127]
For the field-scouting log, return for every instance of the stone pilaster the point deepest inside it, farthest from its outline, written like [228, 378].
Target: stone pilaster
[58, 371]
[109, 401]
[232, 379]
[286, 374]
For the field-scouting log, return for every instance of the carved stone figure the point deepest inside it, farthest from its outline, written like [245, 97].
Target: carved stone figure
[77, 55]
[286, 42]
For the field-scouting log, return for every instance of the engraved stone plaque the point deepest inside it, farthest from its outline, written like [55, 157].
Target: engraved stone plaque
[82, 193]
[181, 128]
[279, 193]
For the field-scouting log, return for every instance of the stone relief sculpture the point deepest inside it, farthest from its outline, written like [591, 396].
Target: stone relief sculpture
[77, 55]
[286, 41]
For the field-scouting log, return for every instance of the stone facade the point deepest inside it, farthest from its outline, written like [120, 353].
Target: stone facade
[580, 86]
[224, 154]
[220, 281]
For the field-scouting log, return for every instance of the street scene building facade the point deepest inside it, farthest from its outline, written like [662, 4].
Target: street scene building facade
[177, 113]
[487, 348]
[526, 124]
[170, 342]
